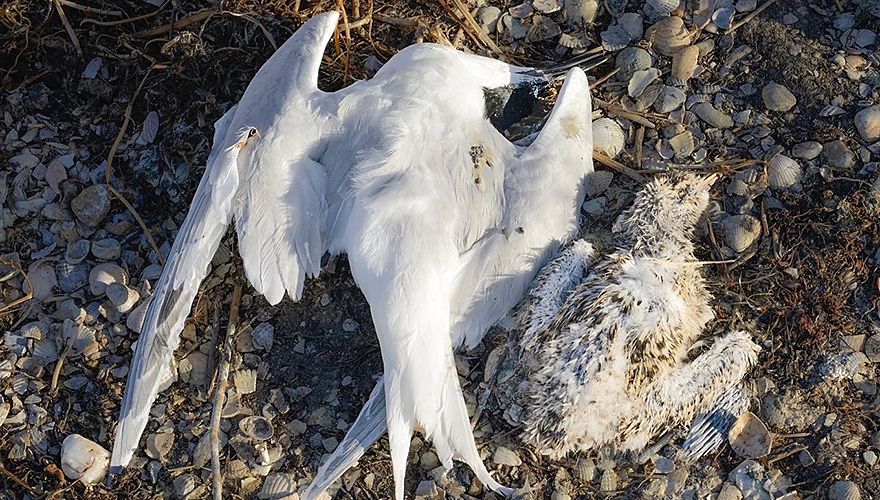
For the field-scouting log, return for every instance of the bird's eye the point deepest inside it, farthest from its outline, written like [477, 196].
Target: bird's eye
[252, 133]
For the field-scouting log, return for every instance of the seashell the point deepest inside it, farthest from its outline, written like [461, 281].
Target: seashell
[263, 336]
[19, 383]
[777, 97]
[633, 24]
[608, 137]
[123, 297]
[506, 456]
[669, 35]
[741, 231]
[723, 17]
[245, 381]
[77, 251]
[256, 427]
[640, 81]
[868, 123]
[4, 412]
[45, 350]
[135, 320]
[546, 6]
[738, 187]
[543, 28]
[783, 172]
[664, 7]
[684, 63]
[844, 490]
[278, 486]
[630, 60]
[669, 99]
[586, 469]
[41, 280]
[580, 12]
[103, 274]
[648, 97]
[71, 277]
[749, 437]
[598, 182]
[608, 482]
[714, 117]
[84, 460]
[106, 249]
[616, 37]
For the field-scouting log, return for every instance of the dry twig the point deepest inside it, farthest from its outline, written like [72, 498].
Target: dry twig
[620, 167]
[219, 400]
[749, 17]
[68, 28]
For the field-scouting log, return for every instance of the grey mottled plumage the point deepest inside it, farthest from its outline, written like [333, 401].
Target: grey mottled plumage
[610, 368]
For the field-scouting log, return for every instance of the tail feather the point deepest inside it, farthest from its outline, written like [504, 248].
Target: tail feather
[366, 430]
[709, 431]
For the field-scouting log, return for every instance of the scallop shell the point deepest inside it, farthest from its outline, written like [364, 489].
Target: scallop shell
[749, 437]
[77, 251]
[783, 172]
[608, 482]
[245, 381]
[633, 24]
[586, 469]
[844, 490]
[19, 383]
[664, 7]
[84, 460]
[630, 60]
[104, 274]
[123, 297]
[616, 37]
[608, 137]
[256, 427]
[669, 35]
[278, 486]
[71, 277]
[684, 64]
[741, 231]
[738, 187]
[598, 182]
[263, 336]
[135, 319]
[45, 350]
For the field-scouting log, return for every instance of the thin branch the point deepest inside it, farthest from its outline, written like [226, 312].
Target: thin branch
[219, 400]
[751, 16]
[68, 28]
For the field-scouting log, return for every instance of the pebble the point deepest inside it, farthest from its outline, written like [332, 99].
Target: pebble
[806, 150]
[838, 155]
[706, 112]
[426, 489]
[488, 17]
[729, 492]
[506, 456]
[664, 465]
[777, 97]
[350, 325]
[868, 123]
[749, 437]
[84, 460]
[91, 205]
[159, 445]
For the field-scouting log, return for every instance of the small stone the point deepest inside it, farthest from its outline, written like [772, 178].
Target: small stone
[429, 460]
[664, 465]
[159, 445]
[595, 207]
[806, 150]
[777, 97]
[806, 458]
[870, 457]
[350, 325]
[91, 205]
[838, 155]
[506, 456]
[184, 485]
[546, 6]
[868, 123]
[488, 17]
[84, 460]
[426, 489]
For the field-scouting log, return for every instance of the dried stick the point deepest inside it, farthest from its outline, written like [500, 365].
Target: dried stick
[220, 393]
[89, 10]
[68, 28]
[128, 20]
[180, 23]
[56, 373]
[108, 173]
[751, 16]
[620, 167]
[8, 473]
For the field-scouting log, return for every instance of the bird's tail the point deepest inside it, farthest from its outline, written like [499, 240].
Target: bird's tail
[709, 430]
[366, 430]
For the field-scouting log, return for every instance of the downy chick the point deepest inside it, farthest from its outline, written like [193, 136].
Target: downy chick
[605, 345]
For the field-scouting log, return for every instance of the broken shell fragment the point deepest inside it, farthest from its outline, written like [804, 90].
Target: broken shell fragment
[684, 64]
[608, 137]
[598, 182]
[749, 437]
[630, 60]
[664, 7]
[84, 460]
[668, 35]
[123, 297]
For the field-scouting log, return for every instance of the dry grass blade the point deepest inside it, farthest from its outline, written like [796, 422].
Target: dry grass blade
[620, 167]
[180, 23]
[90, 10]
[68, 28]
[461, 13]
[751, 16]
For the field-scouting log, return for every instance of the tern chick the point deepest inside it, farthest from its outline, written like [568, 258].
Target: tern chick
[605, 341]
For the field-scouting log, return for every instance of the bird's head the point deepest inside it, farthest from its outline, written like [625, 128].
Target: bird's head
[668, 207]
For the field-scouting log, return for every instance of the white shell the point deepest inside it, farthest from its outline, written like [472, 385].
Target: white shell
[84, 460]
[104, 274]
[664, 7]
[586, 469]
[668, 35]
[608, 482]
[741, 231]
[4, 412]
[76, 252]
[45, 350]
[844, 490]
[123, 297]
[42, 280]
[608, 137]
[749, 437]
[135, 319]
[783, 172]
[245, 381]
[256, 427]
[598, 182]
[868, 123]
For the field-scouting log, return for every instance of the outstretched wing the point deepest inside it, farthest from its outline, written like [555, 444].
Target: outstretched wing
[237, 157]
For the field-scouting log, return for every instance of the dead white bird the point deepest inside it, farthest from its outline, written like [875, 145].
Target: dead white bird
[404, 174]
[605, 343]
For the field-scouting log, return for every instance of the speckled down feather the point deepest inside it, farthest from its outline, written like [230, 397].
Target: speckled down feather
[610, 368]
